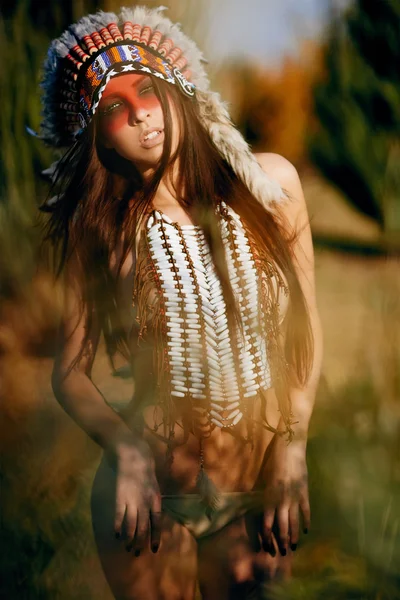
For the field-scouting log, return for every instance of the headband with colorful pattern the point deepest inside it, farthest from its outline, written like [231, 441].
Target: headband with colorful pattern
[98, 47]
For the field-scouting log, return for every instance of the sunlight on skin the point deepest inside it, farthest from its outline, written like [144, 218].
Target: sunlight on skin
[129, 106]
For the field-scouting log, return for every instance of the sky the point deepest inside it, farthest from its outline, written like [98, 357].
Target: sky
[266, 29]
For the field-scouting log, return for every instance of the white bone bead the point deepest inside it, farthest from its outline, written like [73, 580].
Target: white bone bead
[198, 386]
[211, 354]
[175, 327]
[225, 352]
[252, 387]
[217, 401]
[193, 318]
[181, 388]
[232, 405]
[215, 397]
[177, 394]
[237, 418]
[215, 407]
[150, 221]
[194, 379]
[248, 382]
[249, 394]
[215, 388]
[172, 296]
[225, 343]
[217, 423]
[234, 398]
[229, 377]
[215, 413]
[214, 377]
[233, 414]
[207, 311]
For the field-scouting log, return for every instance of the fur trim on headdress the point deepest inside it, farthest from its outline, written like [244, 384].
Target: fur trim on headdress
[234, 148]
[61, 103]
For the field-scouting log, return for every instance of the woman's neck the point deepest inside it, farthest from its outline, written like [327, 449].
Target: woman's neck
[166, 195]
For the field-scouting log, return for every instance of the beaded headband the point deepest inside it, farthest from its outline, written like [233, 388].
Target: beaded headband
[98, 47]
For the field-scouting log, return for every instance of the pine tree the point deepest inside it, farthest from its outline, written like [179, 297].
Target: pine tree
[357, 142]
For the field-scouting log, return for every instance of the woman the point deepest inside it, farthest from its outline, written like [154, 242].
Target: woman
[182, 247]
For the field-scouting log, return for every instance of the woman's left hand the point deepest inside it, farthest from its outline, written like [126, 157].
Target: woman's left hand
[286, 494]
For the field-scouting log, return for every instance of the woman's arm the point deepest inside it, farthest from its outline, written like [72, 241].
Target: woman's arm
[72, 385]
[286, 475]
[138, 498]
[296, 216]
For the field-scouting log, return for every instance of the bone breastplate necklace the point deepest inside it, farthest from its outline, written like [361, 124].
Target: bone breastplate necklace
[198, 360]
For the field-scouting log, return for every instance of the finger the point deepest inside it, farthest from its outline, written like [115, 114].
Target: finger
[283, 525]
[266, 534]
[305, 510]
[120, 508]
[130, 522]
[251, 523]
[156, 518]
[294, 525]
[142, 530]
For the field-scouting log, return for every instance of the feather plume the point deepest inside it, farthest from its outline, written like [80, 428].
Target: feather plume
[208, 491]
[234, 148]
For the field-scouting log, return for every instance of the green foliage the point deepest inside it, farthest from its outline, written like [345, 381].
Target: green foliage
[358, 108]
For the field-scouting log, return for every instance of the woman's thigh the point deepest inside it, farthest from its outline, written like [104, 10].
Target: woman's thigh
[170, 573]
[233, 566]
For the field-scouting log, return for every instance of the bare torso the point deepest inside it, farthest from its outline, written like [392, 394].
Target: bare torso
[231, 463]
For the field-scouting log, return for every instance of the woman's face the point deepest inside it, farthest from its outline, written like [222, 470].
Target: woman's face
[131, 120]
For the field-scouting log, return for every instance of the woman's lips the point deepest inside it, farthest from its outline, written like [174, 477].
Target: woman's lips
[151, 141]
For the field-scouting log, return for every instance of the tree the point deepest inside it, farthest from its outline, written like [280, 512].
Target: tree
[357, 141]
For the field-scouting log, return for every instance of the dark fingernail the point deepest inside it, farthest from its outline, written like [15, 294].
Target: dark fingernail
[293, 547]
[117, 535]
[137, 552]
[154, 548]
[269, 548]
[305, 530]
[283, 551]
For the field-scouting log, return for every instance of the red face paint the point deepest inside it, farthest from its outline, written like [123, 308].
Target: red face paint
[126, 99]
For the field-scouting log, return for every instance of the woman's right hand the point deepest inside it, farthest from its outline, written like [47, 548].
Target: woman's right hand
[138, 498]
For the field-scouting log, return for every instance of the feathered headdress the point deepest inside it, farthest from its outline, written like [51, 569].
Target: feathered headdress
[98, 47]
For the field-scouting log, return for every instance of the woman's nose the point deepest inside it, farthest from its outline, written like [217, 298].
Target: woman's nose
[138, 114]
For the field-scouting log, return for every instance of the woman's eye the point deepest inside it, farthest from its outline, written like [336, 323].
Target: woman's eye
[110, 108]
[147, 89]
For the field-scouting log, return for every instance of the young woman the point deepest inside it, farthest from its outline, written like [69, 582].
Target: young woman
[183, 249]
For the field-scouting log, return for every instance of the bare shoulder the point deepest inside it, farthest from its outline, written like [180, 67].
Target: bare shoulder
[280, 168]
[277, 166]
[294, 211]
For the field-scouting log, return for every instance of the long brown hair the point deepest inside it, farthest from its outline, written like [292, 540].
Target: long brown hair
[103, 194]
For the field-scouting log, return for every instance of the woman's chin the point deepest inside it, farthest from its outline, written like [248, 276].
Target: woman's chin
[148, 159]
